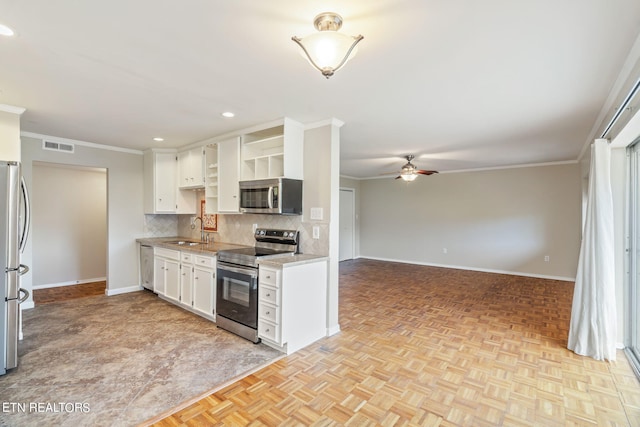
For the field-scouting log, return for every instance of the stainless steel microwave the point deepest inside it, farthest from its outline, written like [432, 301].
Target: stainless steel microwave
[271, 196]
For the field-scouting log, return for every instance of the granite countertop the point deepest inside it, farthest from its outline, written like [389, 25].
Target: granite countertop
[291, 260]
[203, 249]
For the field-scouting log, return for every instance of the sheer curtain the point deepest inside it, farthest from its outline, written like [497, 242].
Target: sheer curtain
[592, 331]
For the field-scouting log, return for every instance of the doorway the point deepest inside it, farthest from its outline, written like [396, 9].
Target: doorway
[347, 224]
[69, 231]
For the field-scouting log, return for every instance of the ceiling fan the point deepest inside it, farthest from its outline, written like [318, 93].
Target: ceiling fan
[409, 172]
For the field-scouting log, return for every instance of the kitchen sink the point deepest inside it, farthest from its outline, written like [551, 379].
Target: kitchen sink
[186, 243]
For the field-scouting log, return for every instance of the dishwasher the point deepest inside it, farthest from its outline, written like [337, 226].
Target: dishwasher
[146, 266]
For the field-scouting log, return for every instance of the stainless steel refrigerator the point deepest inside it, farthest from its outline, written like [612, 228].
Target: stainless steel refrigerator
[14, 221]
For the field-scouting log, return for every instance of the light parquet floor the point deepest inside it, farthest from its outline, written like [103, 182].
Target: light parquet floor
[426, 346]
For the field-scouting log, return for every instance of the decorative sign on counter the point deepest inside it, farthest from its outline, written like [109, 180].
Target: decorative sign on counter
[209, 221]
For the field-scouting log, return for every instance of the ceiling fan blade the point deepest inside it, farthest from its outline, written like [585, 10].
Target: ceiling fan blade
[398, 177]
[424, 172]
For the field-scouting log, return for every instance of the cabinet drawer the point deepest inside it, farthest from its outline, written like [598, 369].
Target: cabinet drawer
[167, 253]
[268, 295]
[269, 276]
[186, 258]
[205, 261]
[269, 331]
[269, 312]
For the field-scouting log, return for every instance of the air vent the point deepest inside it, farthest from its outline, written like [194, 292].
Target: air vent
[58, 146]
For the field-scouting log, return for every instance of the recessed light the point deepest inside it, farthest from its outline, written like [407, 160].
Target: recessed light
[228, 114]
[6, 31]
[158, 139]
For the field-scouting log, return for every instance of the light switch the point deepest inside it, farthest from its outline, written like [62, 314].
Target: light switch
[316, 232]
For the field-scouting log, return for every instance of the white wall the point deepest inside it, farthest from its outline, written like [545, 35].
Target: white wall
[68, 225]
[499, 220]
[125, 217]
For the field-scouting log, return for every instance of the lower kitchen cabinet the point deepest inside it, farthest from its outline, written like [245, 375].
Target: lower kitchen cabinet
[166, 266]
[292, 304]
[198, 284]
[186, 279]
[204, 290]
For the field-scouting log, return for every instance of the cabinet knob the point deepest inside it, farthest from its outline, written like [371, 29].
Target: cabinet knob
[267, 330]
[268, 277]
[268, 312]
[196, 277]
[269, 294]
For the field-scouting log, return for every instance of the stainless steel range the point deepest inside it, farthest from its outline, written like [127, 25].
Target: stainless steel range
[237, 280]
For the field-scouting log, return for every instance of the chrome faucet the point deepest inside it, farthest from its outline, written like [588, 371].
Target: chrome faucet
[203, 237]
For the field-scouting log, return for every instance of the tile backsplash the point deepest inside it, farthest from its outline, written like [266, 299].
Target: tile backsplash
[160, 225]
[238, 229]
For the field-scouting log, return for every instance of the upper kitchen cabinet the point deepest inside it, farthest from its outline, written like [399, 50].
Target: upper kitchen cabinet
[190, 168]
[273, 152]
[161, 193]
[211, 178]
[159, 182]
[228, 175]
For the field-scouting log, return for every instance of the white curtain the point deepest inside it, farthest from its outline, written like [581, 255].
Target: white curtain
[592, 331]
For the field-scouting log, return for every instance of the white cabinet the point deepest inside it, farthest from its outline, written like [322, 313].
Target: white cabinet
[190, 168]
[166, 264]
[273, 152]
[161, 193]
[159, 182]
[228, 175]
[211, 179]
[198, 284]
[292, 304]
[204, 285]
[186, 279]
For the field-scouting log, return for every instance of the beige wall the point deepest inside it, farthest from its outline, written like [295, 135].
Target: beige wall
[10, 133]
[500, 220]
[125, 217]
[69, 224]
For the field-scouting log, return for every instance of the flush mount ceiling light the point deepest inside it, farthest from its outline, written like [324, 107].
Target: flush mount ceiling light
[5, 31]
[328, 50]
[227, 114]
[158, 139]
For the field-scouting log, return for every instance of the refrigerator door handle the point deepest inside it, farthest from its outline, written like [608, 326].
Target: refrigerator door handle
[23, 269]
[25, 297]
[27, 215]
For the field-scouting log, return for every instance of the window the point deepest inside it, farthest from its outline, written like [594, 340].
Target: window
[632, 317]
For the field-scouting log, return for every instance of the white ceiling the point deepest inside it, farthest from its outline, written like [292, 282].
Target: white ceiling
[462, 84]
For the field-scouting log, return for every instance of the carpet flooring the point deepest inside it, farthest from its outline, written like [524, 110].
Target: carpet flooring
[117, 361]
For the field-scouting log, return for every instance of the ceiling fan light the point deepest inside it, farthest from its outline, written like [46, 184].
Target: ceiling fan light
[408, 176]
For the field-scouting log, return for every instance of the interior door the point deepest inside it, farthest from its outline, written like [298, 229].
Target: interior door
[347, 224]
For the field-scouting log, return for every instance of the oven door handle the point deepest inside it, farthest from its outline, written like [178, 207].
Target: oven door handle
[250, 272]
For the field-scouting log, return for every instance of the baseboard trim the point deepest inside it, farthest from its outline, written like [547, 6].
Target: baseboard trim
[333, 330]
[118, 291]
[70, 283]
[462, 267]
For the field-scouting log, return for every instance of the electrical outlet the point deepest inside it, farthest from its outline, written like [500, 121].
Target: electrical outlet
[546, 258]
[193, 220]
[316, 232]
[254, 228]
